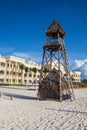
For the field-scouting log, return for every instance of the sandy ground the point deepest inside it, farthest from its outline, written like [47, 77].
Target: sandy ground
[25, 112]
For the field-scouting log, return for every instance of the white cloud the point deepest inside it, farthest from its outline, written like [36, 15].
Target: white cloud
[6, 49]
[35, 56]
[83, 68]
[22, 55]
[80, 65]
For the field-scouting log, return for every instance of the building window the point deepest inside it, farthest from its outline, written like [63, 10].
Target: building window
[14, 65]
[7, 65]
[25, 75]
[19, 81]
[13, 73]
[30, 75]
[7, 80]
[34, 75]
[1, 72]
[2, 64]
[7, 72]
[30, 81]
[19, 74]
[38, 76]
[39, 71]
[13, 80]
[11, 65]
[1, 80]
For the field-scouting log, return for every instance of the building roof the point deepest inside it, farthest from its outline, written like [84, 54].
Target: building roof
[2, 59]
[13, 58]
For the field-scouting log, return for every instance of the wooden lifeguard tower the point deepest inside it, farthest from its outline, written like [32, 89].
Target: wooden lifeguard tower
[53, 82]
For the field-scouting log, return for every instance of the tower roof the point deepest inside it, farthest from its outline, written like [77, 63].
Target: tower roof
[54, 28]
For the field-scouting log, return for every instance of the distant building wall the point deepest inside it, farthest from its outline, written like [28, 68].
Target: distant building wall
[76, 76]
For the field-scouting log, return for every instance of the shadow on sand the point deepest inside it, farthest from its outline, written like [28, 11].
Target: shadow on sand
[77, 112]
[69, 111]
[24, 97]
[12, 96]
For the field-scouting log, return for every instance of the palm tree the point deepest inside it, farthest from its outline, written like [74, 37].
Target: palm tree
[46, 70]
[34, 70]
[26, 69]
[22, 67]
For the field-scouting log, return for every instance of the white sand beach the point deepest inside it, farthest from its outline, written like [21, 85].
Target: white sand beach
[25, 112]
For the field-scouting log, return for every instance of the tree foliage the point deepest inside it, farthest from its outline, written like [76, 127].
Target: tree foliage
[34, 70]
[46, 70]
[84, 81]
[22, 67]
[26, 69]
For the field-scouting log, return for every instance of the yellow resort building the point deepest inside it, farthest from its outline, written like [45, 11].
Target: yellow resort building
[12, 74]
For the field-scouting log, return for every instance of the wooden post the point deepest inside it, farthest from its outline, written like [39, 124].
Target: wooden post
[50, 60]
[41, 73]
[11, 96]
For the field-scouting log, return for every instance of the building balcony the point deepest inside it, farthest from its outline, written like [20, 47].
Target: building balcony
[2, 76]
[2, 68]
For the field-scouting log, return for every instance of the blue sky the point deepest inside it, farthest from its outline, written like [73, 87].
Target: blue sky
[23, 24]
